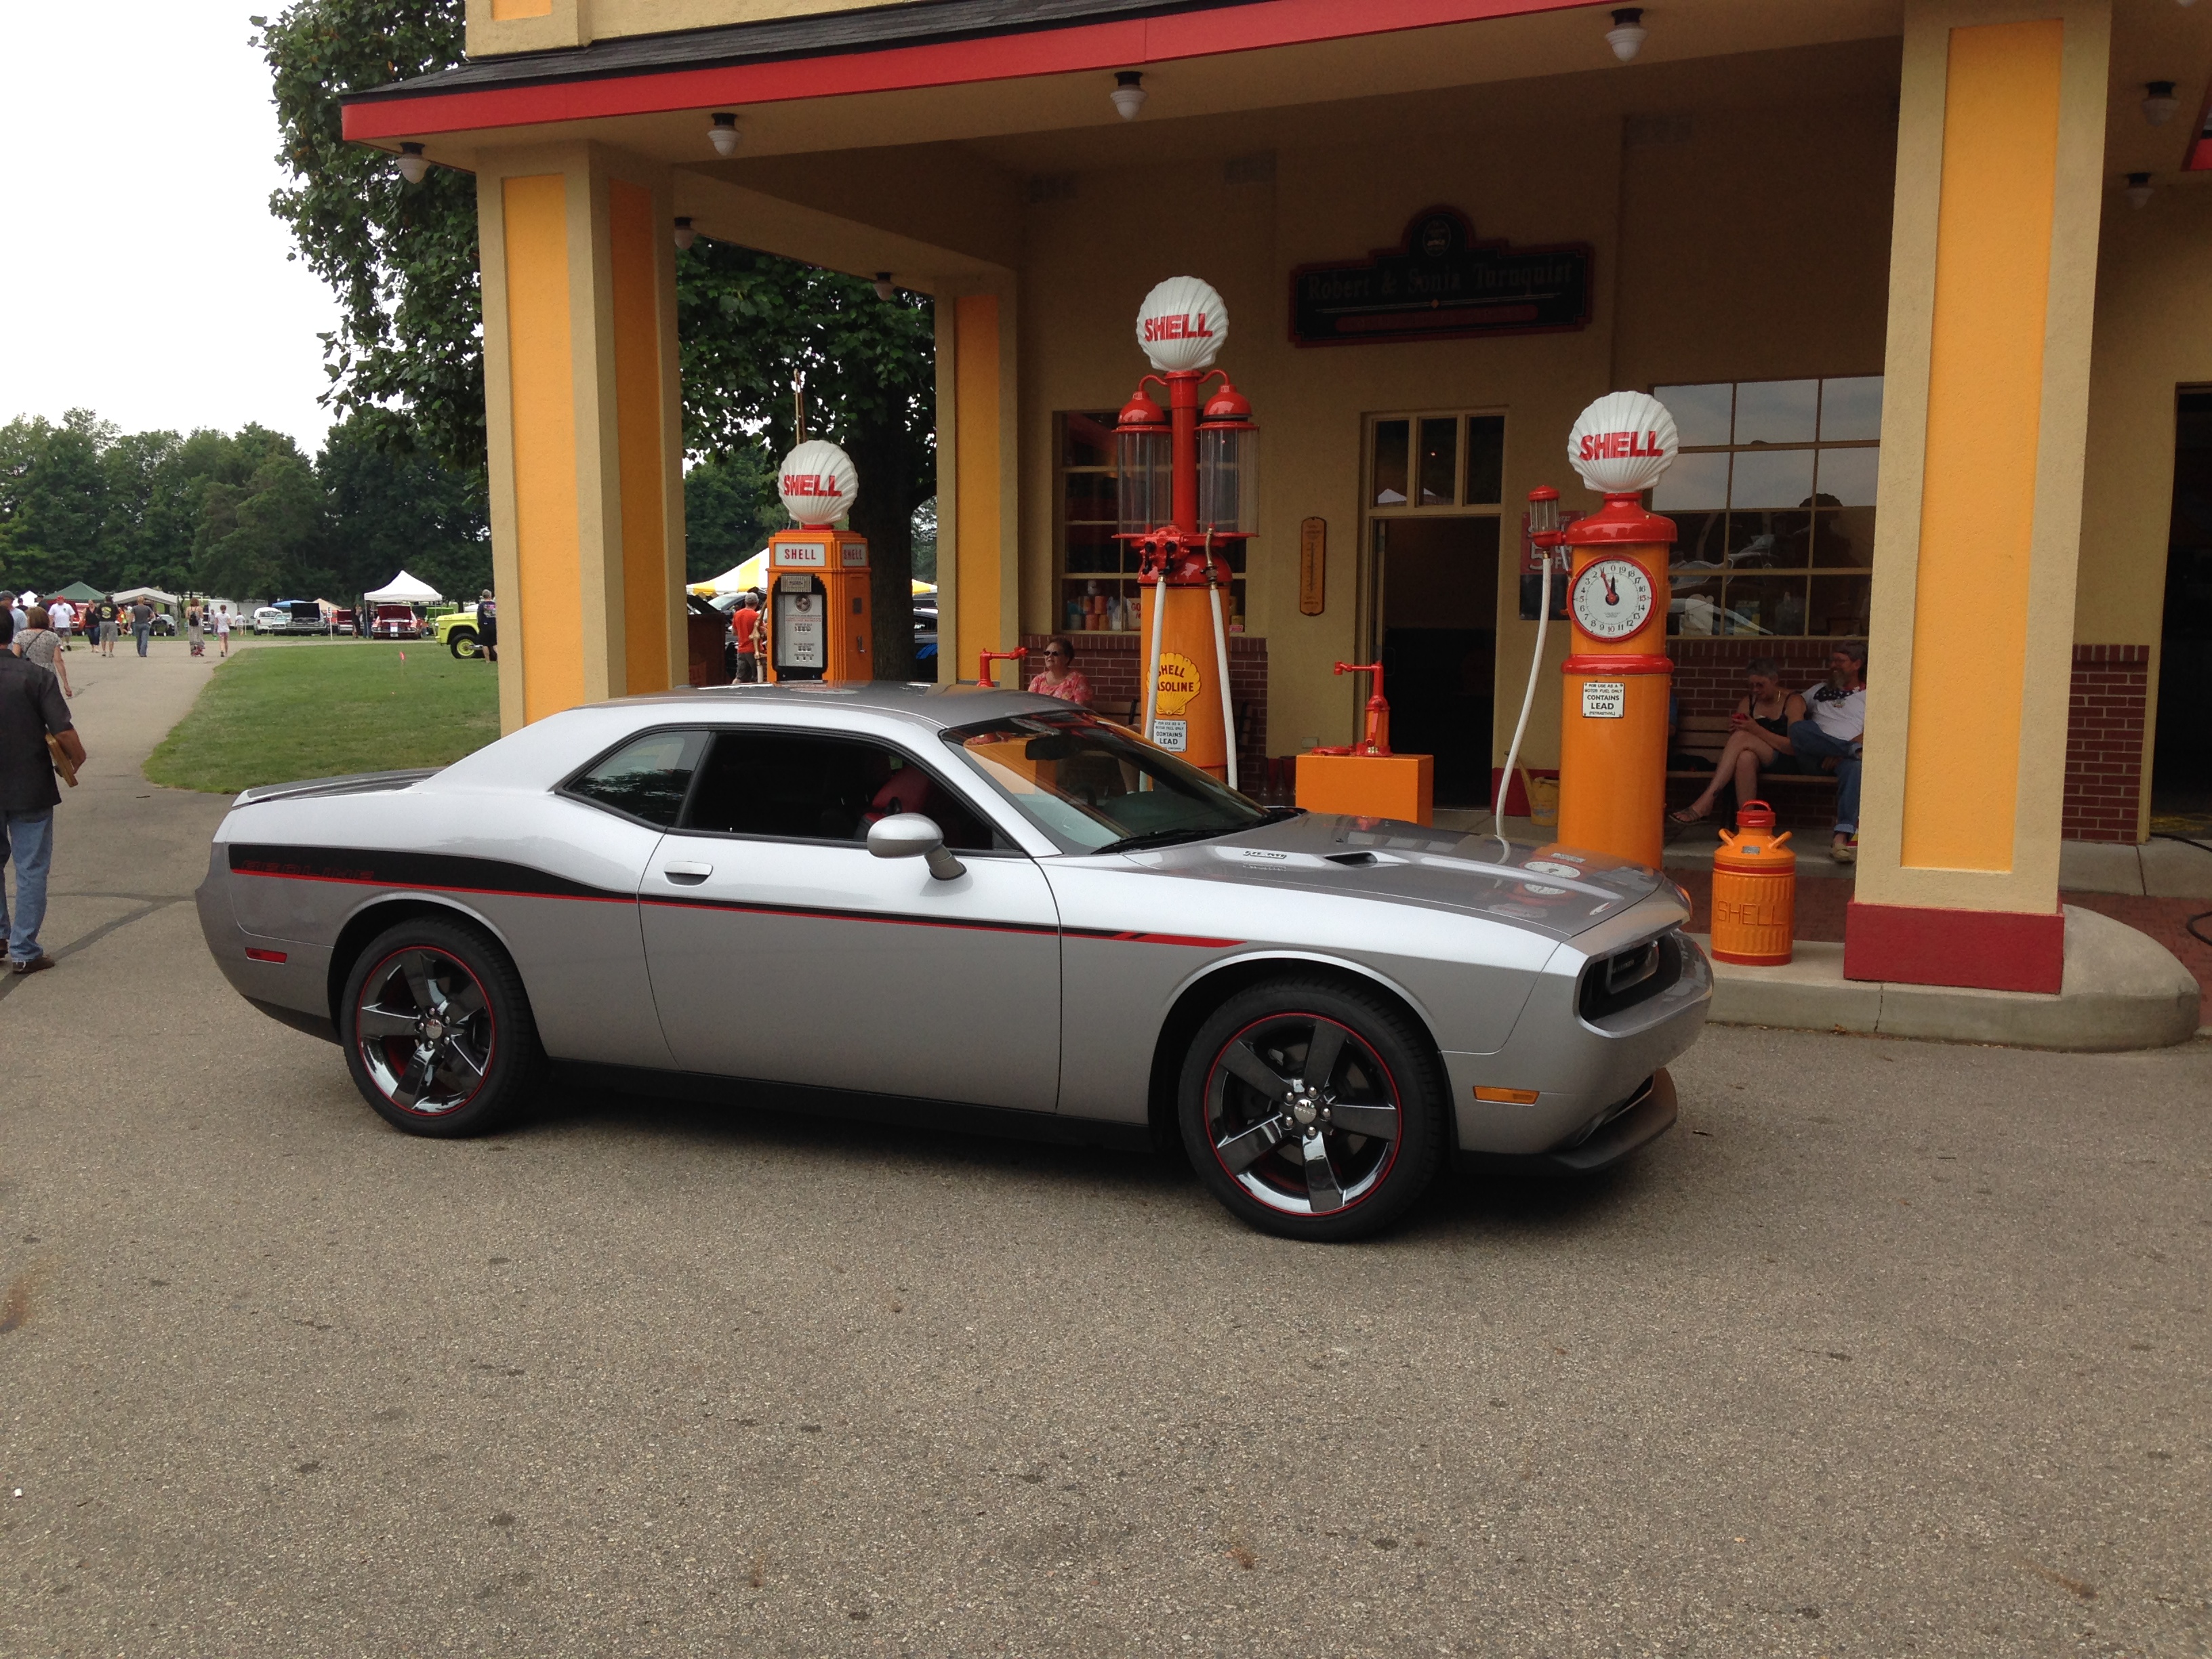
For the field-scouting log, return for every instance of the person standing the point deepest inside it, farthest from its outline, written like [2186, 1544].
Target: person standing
[15, 612]
[1835, 735]
[110, 617]
[195, 629]
[744, 631]
[31, 710]
[41, 644]
[61, 616]
[141, 623]
[222, 629]
[488, 625]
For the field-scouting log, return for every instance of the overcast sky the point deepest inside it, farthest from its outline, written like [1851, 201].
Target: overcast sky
[141, 274]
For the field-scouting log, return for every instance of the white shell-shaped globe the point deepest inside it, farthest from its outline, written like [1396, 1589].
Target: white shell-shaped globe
[819, 483]
[1622, 442]
[1182, 324]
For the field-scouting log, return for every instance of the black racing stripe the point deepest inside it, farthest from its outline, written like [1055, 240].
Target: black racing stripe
[367, 867]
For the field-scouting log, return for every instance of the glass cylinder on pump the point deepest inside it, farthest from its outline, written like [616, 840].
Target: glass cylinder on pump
[1145, 460]
[1227, 466]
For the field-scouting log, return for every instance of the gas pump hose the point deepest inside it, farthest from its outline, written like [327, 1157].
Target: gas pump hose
[1528, 700]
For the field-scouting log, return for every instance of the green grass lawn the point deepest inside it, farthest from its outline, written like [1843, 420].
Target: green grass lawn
[274, 714]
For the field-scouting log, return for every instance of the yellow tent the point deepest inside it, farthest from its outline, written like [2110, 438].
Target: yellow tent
[753, 572]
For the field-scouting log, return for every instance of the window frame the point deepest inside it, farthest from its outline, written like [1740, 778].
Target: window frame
[567, 790]
[1811, 570]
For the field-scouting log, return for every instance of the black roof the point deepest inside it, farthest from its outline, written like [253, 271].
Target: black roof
[874, 28]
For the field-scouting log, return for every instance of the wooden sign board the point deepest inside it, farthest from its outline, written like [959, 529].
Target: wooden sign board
[1313, 566]
[1442, 282]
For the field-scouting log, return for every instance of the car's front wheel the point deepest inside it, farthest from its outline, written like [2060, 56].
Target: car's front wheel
[462, 642]
[1313, 1109]
[437, 1029]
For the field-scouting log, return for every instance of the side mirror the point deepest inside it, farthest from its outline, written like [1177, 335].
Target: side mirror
[911, 835]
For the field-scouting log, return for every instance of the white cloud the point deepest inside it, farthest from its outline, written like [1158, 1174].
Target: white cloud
[141, 274]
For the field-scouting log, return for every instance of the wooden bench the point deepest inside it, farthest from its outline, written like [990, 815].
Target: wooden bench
[1798, 798]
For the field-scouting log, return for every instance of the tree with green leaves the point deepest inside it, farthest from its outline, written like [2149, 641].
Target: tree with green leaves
[407, 356]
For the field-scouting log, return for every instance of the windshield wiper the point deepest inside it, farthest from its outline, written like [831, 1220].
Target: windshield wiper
[1162, 838]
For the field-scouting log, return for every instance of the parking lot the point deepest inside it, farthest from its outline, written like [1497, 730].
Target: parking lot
[1889, 1348]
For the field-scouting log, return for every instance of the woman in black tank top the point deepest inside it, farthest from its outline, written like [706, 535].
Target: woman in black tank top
[1760, 739]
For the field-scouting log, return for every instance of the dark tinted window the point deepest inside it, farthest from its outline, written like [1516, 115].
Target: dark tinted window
[809, 788]
[646, 778]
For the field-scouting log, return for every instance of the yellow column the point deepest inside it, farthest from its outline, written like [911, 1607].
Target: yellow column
[978, 574]
[583, 427]
[1992, 287]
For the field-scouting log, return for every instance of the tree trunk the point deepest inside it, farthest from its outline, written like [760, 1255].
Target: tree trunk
[884, 514]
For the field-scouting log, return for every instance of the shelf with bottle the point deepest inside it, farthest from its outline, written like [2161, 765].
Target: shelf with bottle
[1109, 605]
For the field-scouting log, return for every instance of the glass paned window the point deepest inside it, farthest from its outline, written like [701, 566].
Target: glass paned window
[1485, 459]
[1097, 574]
[1439, 463]
[1390, 484]
[1775, 481]
[1435, 463]
[646, 778]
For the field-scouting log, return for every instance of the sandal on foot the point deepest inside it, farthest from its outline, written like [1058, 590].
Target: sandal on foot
[1685, 815]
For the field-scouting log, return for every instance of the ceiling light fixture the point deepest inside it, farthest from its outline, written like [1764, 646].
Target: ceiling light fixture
[1628, 35]
[2158, 104]
[2138, 191]
[414, 166]
[684, 234]
[724, 134]
[1129, 94]
[885, 287]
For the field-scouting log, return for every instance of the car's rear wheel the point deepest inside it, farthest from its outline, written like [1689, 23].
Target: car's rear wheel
[1313, 1109]
[437, 1029]
[462, 643]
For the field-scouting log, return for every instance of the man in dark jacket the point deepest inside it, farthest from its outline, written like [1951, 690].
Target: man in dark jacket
[31, 708]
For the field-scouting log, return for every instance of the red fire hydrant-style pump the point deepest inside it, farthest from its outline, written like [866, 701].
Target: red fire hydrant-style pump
[984, 659]
[1378, 741]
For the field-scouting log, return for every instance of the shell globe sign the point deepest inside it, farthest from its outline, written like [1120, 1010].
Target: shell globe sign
[1622, 442]
[818, 483]
[1182, 324]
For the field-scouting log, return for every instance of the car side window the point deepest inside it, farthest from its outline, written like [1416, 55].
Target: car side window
[647, 778]
[797, 787]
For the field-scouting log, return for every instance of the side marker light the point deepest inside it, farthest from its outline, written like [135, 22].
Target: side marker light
[254, 953]
[1506, 1096]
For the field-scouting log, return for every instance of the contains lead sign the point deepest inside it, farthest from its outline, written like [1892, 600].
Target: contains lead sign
[1604, 700]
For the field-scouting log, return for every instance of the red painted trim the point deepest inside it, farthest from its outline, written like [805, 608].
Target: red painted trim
[1083, 46]
[1628, 662]
[1990, 950]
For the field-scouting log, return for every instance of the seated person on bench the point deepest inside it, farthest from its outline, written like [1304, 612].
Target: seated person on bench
[1759, 741]
[1833, 739]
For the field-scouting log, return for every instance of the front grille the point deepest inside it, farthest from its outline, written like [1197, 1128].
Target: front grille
[1620, 982]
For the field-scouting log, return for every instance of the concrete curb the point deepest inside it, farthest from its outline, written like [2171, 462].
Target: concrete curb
[2122, 990]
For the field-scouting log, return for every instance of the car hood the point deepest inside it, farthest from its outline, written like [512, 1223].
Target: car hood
[1553, 890]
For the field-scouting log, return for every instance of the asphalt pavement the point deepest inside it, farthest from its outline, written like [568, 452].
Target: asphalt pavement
[1889, 1348]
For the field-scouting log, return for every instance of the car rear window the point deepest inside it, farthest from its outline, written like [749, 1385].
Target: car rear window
[647, 778]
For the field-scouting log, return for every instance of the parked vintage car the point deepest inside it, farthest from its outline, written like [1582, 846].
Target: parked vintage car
[291, 617]
[395, 621]
[342, 621]
[457, 631]
[967, 908]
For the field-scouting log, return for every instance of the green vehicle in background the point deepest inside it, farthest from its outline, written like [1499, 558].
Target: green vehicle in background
[457, 632]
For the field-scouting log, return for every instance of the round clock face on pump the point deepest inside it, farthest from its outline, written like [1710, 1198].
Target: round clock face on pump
[1612, 599]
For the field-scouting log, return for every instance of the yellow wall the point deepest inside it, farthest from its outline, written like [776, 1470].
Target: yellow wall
[2153, 336]
[980, 543]
[549, 603]
[1749, 242]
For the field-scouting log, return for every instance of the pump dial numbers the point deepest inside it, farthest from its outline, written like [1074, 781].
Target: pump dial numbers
[1612, 599]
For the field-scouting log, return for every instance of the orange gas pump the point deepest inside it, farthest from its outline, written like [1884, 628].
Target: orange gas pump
[817, 622]
[1612, 724]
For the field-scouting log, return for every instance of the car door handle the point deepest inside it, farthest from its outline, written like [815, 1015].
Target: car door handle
[688, 875]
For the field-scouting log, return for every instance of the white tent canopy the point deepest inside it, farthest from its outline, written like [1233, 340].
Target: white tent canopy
[130, 595]
[403, 589]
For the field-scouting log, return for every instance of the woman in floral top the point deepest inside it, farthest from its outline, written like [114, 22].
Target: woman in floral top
[1059, 679]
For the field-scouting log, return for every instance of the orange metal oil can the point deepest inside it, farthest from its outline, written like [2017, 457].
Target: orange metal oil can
[1754, 890]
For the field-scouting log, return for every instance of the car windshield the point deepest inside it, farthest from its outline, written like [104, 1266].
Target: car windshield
[1096, 788]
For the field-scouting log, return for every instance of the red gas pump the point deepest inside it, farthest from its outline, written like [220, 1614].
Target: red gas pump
[1188, 486]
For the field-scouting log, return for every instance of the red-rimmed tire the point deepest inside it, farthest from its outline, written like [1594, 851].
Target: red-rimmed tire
[437, 1031]
[1312, 1110]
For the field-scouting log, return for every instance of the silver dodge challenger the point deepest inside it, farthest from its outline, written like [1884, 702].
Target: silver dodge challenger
[965, 908]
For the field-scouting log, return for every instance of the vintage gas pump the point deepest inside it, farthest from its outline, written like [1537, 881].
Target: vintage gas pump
[1613, 727]
[817, 619]
[1188, 488]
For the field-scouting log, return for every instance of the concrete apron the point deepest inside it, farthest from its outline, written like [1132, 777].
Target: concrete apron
[2121, 989]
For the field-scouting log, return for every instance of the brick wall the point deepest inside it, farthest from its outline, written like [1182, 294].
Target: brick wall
[2103, 728]
[1113, 665]
[2105, 741]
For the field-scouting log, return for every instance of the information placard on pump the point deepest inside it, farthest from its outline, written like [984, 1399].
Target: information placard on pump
[798, 631]
[1172, 735]
[1604, 700]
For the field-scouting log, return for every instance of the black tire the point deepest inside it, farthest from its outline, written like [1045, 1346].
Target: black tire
[1249, 1145]
[462, 642]
[422, 1069]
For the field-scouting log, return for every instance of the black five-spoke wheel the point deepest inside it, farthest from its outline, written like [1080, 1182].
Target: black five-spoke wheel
[1312, 1110]
[437, 1031]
